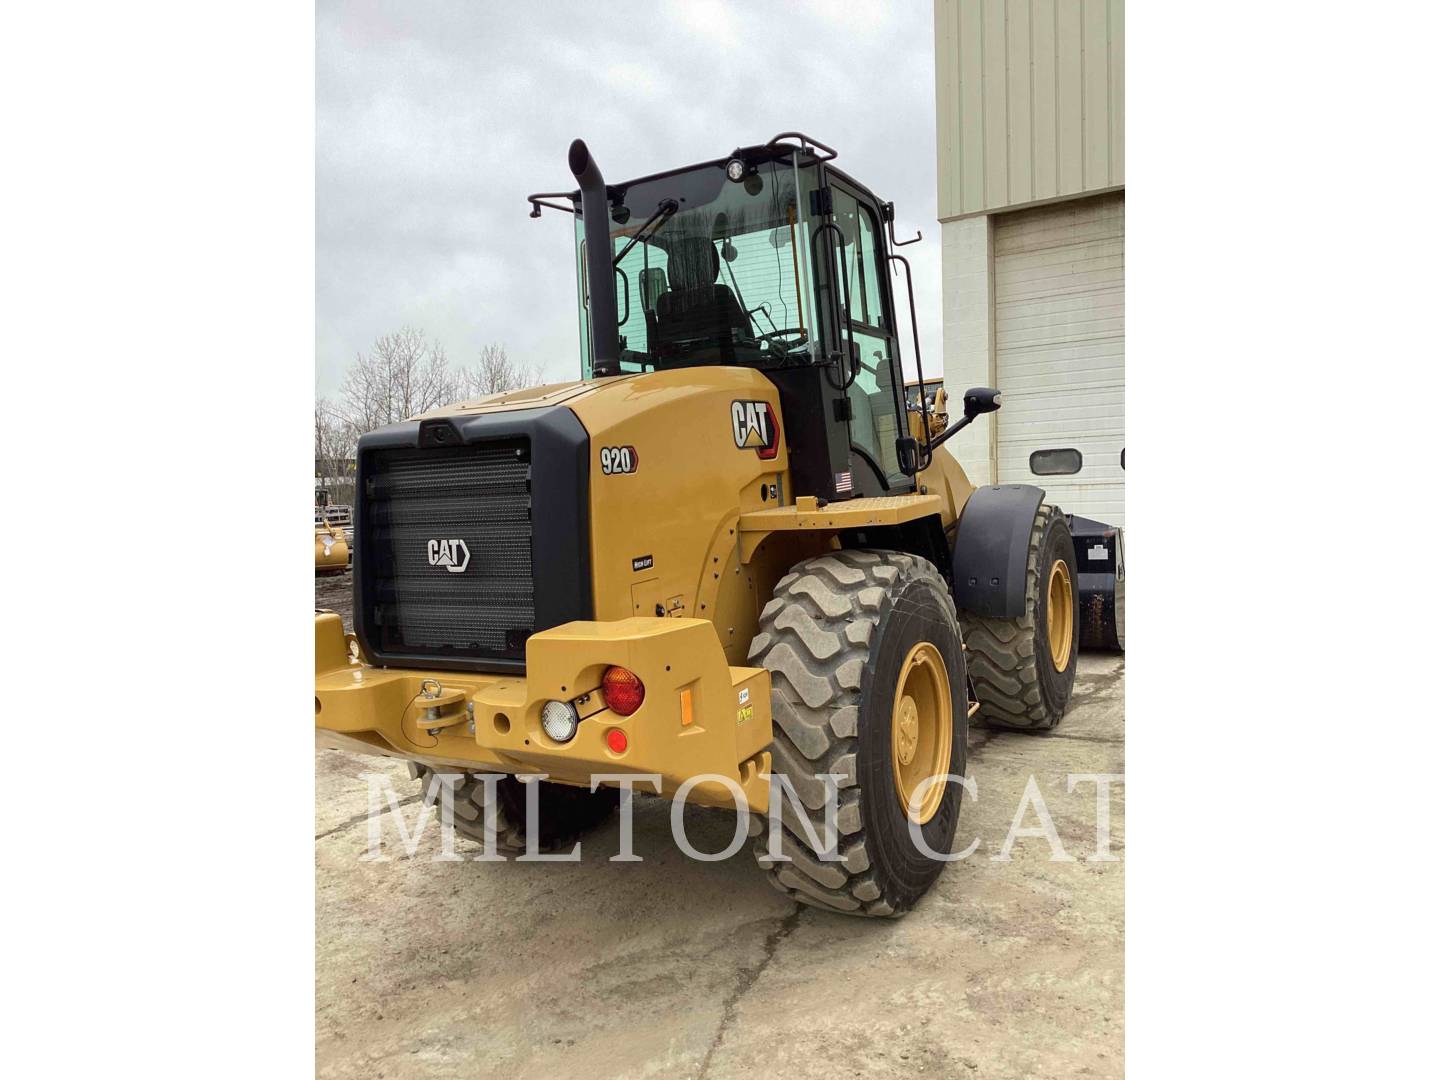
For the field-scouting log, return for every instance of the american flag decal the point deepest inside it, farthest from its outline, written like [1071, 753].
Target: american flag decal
[843, 482]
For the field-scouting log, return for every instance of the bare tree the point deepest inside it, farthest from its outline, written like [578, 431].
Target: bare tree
[494, 372]
[403, 374]
[334, 453]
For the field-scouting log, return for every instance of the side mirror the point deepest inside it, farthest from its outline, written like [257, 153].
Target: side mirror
[980, 400]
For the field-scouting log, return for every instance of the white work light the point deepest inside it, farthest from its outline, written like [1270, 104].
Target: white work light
[560, 720]
[735, 170]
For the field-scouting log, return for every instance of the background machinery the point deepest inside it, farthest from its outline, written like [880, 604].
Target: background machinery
[333, 534]
[730, 556]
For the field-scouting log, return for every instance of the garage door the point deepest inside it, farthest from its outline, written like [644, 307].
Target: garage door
[1060, 352]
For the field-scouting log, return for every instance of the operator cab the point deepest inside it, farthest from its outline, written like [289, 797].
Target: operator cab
[769, 258]
[707, 269]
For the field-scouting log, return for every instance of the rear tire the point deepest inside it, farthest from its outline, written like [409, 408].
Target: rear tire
[1018, 681]
[565, 812]
[838, 638]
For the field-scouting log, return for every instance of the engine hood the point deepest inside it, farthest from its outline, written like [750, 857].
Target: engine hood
[535, 397]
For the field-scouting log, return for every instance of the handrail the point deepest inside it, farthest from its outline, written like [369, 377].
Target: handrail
[919, 367]
[854, 356]
[807, 142]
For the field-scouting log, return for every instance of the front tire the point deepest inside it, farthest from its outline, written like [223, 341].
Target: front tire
[867, 682]
[1024, 668]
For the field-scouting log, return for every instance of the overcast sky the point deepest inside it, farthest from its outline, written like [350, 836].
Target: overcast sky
[435, 120]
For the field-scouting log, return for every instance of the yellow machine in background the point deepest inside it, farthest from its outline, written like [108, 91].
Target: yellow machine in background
[332, 551]
[332, 546]
[731, 556]
[930, 421]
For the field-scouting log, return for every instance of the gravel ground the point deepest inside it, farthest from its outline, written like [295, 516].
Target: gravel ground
[333, 591]
[672, 967]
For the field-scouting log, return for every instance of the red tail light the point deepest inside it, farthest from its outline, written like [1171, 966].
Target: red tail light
[623, 690]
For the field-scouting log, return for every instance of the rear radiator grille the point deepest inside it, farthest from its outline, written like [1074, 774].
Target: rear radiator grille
[478, 495]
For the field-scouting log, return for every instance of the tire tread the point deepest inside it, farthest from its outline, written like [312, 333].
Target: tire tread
[1002, 660]
[814, 638]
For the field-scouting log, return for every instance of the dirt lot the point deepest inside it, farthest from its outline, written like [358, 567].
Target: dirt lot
[671, 967]
[332, 592]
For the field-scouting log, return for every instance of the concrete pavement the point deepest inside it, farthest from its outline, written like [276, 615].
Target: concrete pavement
[672, 967]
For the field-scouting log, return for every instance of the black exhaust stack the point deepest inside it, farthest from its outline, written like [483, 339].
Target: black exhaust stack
[595, 211]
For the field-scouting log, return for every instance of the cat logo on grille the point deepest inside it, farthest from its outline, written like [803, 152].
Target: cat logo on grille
[453, 555]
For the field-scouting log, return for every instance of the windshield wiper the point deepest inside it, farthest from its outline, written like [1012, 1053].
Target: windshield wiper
[660, 216]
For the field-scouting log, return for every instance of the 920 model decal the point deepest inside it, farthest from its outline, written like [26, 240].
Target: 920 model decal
[753, 425]
[615, 460]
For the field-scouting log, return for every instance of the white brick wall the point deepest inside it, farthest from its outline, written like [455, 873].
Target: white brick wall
[966, 270]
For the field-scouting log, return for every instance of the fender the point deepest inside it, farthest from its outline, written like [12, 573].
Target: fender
[992, 545]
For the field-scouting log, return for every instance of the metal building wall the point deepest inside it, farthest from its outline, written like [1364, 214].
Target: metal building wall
[1059, 348]
[1029, 101]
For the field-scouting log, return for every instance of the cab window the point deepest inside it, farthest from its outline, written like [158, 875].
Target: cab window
[874, 420]
[862, 263]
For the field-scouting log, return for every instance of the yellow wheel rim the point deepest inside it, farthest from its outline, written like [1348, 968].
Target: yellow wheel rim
[1060, 615]
[921, 731]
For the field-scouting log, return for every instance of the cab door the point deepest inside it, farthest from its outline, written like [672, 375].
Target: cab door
[875, 394]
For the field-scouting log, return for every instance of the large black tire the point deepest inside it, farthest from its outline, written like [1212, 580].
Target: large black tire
[834, 639]
[565, 812]
[1017, 682]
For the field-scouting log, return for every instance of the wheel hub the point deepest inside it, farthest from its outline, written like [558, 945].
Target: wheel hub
[1060, 614]
[921, 732]
[908, 720]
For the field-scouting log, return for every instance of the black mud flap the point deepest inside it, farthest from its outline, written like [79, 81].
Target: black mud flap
[992, 546]
[1100, 563]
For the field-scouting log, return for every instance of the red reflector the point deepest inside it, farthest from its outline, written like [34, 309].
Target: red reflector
[615, 739]
[623, 690]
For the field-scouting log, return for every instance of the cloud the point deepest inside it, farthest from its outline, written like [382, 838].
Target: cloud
[713, 21]
[433, 122]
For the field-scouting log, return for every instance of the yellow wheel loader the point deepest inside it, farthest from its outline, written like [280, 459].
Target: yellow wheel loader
[728, 558]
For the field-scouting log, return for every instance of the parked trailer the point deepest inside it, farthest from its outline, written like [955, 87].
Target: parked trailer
[1100, 559]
